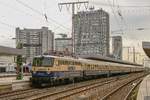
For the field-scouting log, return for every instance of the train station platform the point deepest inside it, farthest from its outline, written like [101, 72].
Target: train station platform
[144, 89]
[7, 83]
[12, 74]
[10, 80]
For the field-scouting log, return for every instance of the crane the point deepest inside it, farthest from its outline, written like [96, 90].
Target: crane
[63, 35]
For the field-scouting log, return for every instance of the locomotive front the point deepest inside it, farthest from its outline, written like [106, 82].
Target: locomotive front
[41, 70]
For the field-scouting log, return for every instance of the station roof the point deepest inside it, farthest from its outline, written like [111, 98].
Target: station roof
[63, 39]
[102, 58]
[146, 48]
[10, 51]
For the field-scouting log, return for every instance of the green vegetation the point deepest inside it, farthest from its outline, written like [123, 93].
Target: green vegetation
[134, 93]
[19, 64]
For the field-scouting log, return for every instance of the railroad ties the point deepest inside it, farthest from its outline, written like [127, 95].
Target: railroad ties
[113, 88]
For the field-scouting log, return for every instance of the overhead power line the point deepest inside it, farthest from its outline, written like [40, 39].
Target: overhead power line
[38, 12]
[120, 14]
[73, 5]
[136, 6]
[115, 16]
[18, 10]
[25, 5]
[12, 7]
[125, 6]
[6, 24]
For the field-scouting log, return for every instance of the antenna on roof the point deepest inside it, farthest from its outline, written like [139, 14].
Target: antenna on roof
[91, 8]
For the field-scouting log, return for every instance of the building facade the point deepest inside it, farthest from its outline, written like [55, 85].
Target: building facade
[35, 41]
[117, 47]
[7, 58]
[91, 33]
[63, 45]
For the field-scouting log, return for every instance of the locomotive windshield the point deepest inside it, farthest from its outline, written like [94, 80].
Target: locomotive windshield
[43, 62]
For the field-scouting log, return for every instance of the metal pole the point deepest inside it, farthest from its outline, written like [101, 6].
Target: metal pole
[128, 53]
[134, 55]
[73, 11]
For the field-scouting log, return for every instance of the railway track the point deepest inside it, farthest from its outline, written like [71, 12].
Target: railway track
[101, 88]
[122, 92]
[131, 95]
[71, 93]
[15, 92]
[75, 91]
[29, 94]
[132, 90]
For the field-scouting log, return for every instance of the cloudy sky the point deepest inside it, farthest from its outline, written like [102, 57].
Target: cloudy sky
[126, 15]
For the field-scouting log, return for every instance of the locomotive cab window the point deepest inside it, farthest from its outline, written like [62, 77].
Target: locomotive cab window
[43, 62]
[47, 61]
[37, 61]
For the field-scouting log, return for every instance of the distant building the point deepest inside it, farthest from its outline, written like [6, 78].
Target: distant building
[146, 48]
[91, 33]
[63, 45]
[35, 41]
[117, 47]
[7, 58]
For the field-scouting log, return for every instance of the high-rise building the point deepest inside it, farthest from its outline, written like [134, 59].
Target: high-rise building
[91, 33]
[35, 41]
[117, 47]
[63, 45]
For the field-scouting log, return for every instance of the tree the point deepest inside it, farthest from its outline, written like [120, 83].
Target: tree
[19, 63]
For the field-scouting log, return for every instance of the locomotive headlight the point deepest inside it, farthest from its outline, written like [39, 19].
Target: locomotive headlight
[48, 72]
[34, 72]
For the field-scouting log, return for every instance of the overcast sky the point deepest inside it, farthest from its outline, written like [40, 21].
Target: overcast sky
[28, 14]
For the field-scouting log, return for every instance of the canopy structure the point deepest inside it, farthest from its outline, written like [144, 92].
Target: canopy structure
[146, 48]
[102, 58]
[10, 51]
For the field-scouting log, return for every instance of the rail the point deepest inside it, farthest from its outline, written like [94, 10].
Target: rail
[116, 89]
[129, 93]
[73, 91]
[26, 94]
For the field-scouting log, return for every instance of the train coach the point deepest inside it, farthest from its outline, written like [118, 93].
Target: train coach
[52, 70]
